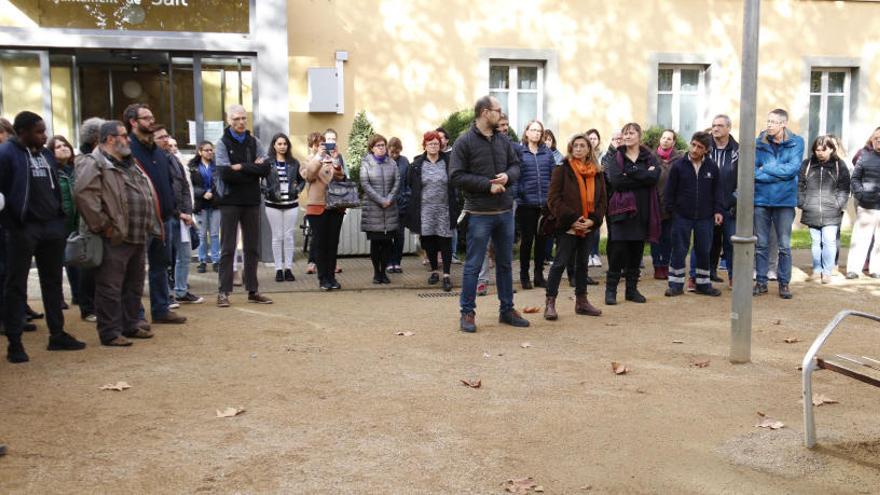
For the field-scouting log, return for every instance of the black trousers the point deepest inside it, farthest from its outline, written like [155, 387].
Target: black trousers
[119, 286]
[434, 244]
[381, 247]
[326, 227]
[86, 291]
[570, 249]
[45, 243]
[313, 256]
[625, 256]
[715, 251]
[249, 219]
[527, 217]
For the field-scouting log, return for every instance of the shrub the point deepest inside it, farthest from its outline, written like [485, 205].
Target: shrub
[651, 139]
[361, 130]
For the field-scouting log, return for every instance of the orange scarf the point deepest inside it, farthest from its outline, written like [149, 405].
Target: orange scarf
[585, 172]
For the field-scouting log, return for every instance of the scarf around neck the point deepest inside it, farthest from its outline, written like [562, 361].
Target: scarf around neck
[585, 173]
[665, 155]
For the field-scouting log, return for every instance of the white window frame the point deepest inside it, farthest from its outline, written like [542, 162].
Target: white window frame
[513, 87]
[823, 95]
[676, 92]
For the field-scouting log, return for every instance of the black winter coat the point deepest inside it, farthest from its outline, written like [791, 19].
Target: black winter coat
[413, 183]
[823, 191]
[638, 178]
[200, 188]
[865, 183]
[477, 159]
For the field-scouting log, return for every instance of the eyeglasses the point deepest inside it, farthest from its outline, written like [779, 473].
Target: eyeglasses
[379, 145]
[775, 122]
[499, 110]
[148, 118]
[126, 136]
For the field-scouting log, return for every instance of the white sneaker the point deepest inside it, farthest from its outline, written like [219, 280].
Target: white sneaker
[771, 275]
[597, 260]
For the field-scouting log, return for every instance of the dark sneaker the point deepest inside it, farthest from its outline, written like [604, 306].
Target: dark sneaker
[15, 353]
[433, 279]
[288, 276]
[65, 342]
[334, 284]
[190, 298]
[468, 323]
[215, 267]
[139, 333]
[117, 342]
[173, 304]
[143, 325]
[170, 318]
[222, 300]
[28, 327]
[279, 276]
[759, 289]
[711, 291]
[590, 281]
[447, 284]
[852, 275]
[784, 291]
[513, 318]
[31, 314]
[256, 297]
[525, 282]
[670, 292]
[377, 280]
[385, 279]
[202, 268]
[326, 286]
[715, 278]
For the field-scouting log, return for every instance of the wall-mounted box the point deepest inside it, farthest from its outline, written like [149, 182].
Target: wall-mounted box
[323, 89]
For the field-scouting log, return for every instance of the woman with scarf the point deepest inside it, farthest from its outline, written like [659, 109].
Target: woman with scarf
[380, 181]
[576, 200]
[633, 212]
[201, 174]
[62, 152]
[661, 251]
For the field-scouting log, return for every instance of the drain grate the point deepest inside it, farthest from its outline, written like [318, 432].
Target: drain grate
[426, 295]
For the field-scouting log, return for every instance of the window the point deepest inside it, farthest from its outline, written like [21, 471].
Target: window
[519, 86]
[829, 102]
[681, 97]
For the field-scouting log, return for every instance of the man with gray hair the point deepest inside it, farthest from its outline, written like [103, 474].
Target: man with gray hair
[116, 200]
[240, 167]
[90, 134]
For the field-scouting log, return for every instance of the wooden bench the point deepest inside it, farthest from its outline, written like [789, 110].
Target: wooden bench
[862, 368]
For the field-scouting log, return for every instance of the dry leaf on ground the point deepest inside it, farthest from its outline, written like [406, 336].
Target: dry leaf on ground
[619, 368]
[531, 309]
[520, 486]
[767, 422]
[405, 334]
[118, 386]
[472, 383]
[701, 364]
[678, 342]
[611, 324]
[525, 345]
[777, 322]
[229, 412]
[792, 340]
[819, 399]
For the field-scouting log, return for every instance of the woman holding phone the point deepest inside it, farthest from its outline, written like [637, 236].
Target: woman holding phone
[323, 167]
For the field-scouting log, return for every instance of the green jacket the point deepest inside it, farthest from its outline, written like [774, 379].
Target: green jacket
[66, 181]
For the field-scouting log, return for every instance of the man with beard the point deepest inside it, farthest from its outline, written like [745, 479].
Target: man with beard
[116, 200]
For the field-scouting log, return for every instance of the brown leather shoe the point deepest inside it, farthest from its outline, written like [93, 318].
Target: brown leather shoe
[256, 297]
[140, 333]
[222, 300]
[550, 309]
[117, 342]
[583, 307]
[143, 325]
[170, 318]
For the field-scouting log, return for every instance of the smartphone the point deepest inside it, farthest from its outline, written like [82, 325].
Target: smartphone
[329, 147]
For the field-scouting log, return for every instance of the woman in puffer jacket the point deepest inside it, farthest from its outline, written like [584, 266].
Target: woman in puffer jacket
[866, 191]
[536, 166]
[823, 191]
[380, 181]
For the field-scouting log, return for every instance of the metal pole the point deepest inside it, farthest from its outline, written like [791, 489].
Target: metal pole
[744, 240]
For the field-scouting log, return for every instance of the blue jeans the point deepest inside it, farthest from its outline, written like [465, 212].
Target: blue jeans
[824, 248]
[702, 230]
[182, 253]
[208, 223]
[661, 252]
[159, 258]
[482, 229]
[779, 218]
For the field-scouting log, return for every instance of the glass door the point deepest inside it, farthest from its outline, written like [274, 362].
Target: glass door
[223, 81]
[23, 81]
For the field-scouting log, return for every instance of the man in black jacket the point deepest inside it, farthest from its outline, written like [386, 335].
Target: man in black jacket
[693, 196]
[139, 122]
[484, 166]
[240, 167]
[34, 225]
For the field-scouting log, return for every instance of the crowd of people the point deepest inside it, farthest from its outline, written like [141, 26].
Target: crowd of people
[128, 186]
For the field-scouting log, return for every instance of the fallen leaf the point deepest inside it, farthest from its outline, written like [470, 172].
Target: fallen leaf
[525, 345]
[777, 322]
[539, 489]
[792, 340]
[531, 309]
[701, 364]
[678, 342]
[520, 486]
[229, 412]
[118, 386]
[472, 383]
[819, 399]
[587, 487]
[486, 355]
[768, 422]
[611, 324]
[405, 334]
[619, 368]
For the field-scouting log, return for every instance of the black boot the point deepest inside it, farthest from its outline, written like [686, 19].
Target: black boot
[524, 281]
[611, 281]
[632, 287]
[539, 278]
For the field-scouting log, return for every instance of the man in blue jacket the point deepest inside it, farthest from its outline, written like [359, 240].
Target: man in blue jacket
[34, 224]
[778, 156]
[694, 198]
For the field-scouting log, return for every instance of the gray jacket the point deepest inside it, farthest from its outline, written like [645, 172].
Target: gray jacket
[182, 194]
[477, 159]
[380, 182]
